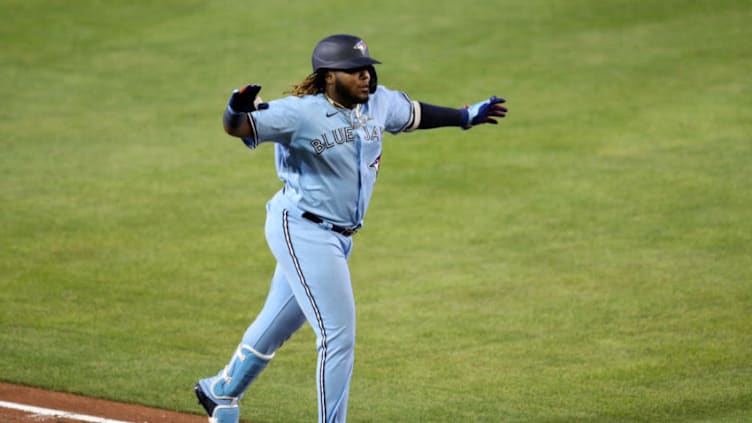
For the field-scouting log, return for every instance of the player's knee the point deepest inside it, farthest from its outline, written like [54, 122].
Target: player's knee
[341, 340]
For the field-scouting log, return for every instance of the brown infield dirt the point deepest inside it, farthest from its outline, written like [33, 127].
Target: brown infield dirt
[82, 405]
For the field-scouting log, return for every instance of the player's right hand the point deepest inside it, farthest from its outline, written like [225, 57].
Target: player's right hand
[246, 99]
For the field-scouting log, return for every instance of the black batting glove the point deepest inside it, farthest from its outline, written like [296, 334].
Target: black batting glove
[242, 102]
[246, 100]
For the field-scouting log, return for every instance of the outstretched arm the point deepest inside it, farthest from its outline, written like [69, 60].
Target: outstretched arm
[482, 112]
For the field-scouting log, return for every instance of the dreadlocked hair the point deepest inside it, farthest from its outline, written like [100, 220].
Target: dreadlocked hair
[312, 84]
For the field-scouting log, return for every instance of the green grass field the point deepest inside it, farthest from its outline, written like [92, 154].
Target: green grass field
[589, 260]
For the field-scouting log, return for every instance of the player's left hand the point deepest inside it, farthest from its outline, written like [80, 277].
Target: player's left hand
[485, 112]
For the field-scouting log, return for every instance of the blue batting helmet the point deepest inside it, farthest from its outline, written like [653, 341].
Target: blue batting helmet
[340, 52]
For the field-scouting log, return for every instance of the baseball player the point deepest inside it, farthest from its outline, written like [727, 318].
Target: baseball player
[327, 139]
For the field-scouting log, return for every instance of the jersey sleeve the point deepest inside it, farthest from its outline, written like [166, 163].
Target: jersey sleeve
[276, 124]
[402, 114]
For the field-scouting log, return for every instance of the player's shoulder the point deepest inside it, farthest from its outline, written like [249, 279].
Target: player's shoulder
[385, 97]
[386, 92]
[297, 105]
[382, 90]
[305, 101]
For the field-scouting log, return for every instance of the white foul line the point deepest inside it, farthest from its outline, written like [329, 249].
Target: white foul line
[57, 413]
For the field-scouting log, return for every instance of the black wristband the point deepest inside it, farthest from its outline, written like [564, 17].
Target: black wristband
[437, 116]
[232, 119]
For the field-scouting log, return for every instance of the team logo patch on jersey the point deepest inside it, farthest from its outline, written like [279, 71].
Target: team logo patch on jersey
[362, 47]
[376, 164]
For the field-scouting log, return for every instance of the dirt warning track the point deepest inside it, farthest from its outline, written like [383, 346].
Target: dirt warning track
[24, 404]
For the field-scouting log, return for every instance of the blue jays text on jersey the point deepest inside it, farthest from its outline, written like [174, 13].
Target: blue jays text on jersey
[328, 157]
[345, 134]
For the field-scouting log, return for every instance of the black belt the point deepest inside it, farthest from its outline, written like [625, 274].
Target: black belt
[339, 229]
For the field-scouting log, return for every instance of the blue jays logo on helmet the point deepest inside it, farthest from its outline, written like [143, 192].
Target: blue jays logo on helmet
[361, 45]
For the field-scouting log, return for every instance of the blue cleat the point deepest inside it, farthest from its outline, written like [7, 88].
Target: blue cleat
[219, 411]
[219, 395]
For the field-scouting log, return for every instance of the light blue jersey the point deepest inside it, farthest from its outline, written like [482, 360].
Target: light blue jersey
[328, 157]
